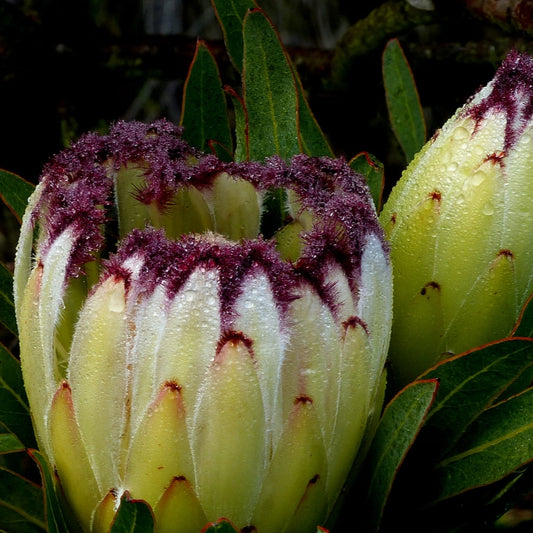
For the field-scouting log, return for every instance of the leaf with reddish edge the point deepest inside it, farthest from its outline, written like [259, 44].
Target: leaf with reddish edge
[14, 192]
[469, 384]
[496, 444]
[405, 111]
[222, 525]
[396, 432]
[230, 15]
[269, 91]
[55, 519]
[204, 110]
[374, 172]
[133, 516]
[524, 324]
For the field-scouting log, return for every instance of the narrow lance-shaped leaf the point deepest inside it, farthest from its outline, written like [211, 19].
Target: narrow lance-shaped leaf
[230, 14]
[205, 115]
[469, 383]
[55, 520]
[372, 169]
[7, 305]
[14, 192]
[403, 103]
[395, 434]
[498, 443]
[269, 90]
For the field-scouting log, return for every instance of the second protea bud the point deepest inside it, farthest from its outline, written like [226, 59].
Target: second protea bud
[460, 226]
[172, 353]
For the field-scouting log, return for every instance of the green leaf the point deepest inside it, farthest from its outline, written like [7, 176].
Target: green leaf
[242, 152]
[405, 111]
[133, 516]
[270, 96]
[14, 410]
[204, 111]
[14, 192]
[21, 504]
[312, 138]
[7, 304]
[55, 519]
[373, 171]
[220, 526]
[230, 14]
[498, 443]
[395, 434]
[469, 383]
[9, 443]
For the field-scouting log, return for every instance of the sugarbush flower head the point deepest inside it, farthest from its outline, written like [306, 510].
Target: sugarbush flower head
[175, 352]
[460, 226]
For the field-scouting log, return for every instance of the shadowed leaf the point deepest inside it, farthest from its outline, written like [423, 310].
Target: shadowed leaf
[395, 434]
[14, 411]
[469, 383]
[133, 516]
[7, 305]
[21, 504]
[230, 14]
[54, 514]
[205, 115]
[14, 192]
[499, 442]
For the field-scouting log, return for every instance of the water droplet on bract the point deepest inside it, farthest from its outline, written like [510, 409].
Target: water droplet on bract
[452, 167]
[189, 295]
[460, 134]
[478, 178]
[488, 209]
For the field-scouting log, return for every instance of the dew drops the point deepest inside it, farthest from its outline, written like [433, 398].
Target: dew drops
[460, 134]
[477, 178]
[117, 302]
[189, 295]
[488, 208]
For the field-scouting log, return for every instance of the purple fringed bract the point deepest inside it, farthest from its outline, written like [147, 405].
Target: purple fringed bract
[511, 86]
[172, 262]
[79, 193]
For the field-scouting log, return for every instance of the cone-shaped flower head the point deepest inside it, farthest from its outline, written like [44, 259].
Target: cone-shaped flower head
[171, 352]
[460, 225]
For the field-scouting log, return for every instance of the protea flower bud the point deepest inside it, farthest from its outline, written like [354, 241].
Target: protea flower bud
[170, 351]
[460, 226]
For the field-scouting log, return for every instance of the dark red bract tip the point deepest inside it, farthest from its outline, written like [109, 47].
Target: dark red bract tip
[512, 94]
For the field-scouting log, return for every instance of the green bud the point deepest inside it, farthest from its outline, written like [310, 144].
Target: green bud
[460, 226]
